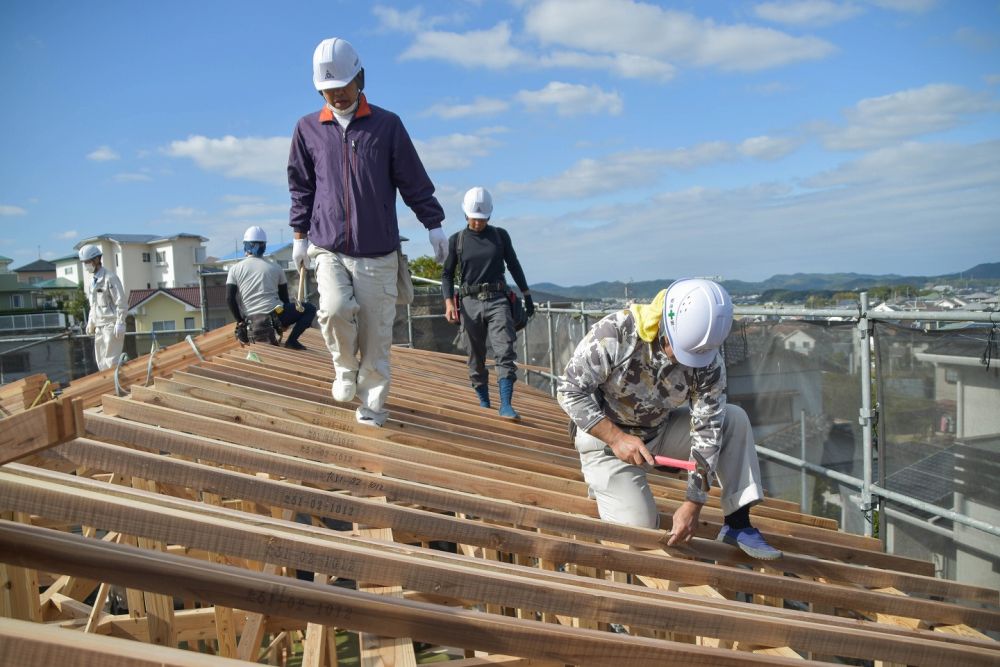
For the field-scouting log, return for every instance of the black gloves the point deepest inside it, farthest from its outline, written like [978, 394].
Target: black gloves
[241, 332]
[529, 305]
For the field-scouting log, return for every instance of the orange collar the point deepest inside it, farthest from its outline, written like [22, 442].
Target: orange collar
[326, 116]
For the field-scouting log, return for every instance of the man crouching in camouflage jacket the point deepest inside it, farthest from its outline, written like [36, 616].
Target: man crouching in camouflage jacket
[650, 381]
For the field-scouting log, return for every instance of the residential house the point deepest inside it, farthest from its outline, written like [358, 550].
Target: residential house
[69, 268]
[955, 464]
[174, 309]
[280, 254]
[150, 261]
[18, 295]
[36, 272]
[5, 264]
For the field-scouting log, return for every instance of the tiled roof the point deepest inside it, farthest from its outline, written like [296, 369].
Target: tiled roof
[37, 265]
[239, 254]
[64, 283]
[138, 238]
[216, 295]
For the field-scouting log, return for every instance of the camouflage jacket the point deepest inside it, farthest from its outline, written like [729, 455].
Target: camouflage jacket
[613, 374]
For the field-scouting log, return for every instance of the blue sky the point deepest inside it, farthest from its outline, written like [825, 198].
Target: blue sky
[621, 140]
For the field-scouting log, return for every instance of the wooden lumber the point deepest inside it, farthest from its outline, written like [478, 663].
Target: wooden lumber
[34, 644]
[554, 548]
[356, 610]
[350, 450]
[38, 428]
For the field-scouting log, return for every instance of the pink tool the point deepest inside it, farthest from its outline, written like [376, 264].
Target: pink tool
[663, 461]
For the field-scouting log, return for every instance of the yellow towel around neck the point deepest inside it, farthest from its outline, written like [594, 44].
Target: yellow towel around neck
[648, 315]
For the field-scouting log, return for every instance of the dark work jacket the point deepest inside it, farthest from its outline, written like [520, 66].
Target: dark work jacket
[343, 182]
[482, 260]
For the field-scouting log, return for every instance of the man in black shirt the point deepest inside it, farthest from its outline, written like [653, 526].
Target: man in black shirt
[480, 252]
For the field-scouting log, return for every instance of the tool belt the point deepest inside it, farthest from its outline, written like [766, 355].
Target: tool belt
[484, 291]
[265, 327]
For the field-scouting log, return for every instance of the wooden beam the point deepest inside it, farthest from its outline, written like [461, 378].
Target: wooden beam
[34, 644]
[38, 429]
[330, 605]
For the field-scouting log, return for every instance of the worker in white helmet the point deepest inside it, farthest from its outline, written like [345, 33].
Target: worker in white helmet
[480, 252]
[262, 287]
[108, 307]
[346, 163]
[650, 381]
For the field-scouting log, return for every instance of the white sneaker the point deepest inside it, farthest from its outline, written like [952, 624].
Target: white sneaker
[368, 417]
[344, 388]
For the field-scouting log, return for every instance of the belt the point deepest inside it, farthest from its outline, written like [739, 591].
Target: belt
[484, 290]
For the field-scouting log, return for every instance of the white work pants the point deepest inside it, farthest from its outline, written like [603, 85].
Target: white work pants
[621, 490]
[357, 306]
[107, 346]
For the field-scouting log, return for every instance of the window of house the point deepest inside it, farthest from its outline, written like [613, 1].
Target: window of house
[68, 271]
[161, 256]
[951, 376]
[189, 323]
[16, 301]
[164, 325]
[33, 279]
[146, 257]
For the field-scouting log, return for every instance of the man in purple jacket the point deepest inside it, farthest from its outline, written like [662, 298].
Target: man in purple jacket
[345, 165]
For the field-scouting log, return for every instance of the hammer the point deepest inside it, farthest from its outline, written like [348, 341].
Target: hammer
[699, 463]
[302, 290]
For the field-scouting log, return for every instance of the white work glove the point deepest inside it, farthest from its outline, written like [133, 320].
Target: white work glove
[439, 242]
[91, 328]
[300, 253]
[119, 329]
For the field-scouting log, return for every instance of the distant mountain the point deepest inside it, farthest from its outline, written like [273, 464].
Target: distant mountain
[797, 282]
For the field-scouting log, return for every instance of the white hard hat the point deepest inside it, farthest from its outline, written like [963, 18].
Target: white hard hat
[89, 252]
[478, 204]
[335, 64]
[254, 233]
[697, 317]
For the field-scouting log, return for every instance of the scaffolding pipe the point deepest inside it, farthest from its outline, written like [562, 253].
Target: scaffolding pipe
[856, 483]
[803, 480]
[865, 413]
[552, 349]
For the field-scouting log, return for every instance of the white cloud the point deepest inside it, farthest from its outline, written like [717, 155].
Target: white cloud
[480, 106]
[478, 48]
[65, 236]
[910, 6]
[409, 21]
[807, 12]
[627, 65]
[455, 151]
[895, 198]
[256, 210]
[768, 148]
[263, 160]
[7, 209]
[132, 177]
[570, 99]
[625, 170]
[625, 26]
[183, 212]
[102, 154]
[878, 121]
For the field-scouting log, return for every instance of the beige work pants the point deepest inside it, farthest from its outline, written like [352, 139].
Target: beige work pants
[357, 306]
[107, 346]
[621, 489]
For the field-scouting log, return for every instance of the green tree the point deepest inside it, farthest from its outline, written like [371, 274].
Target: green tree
[425, 267]
[77, 305]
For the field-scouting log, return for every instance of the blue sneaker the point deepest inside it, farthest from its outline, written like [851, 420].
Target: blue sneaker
[750, 541]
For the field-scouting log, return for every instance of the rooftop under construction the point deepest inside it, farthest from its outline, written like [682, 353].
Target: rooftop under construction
[206, 506]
